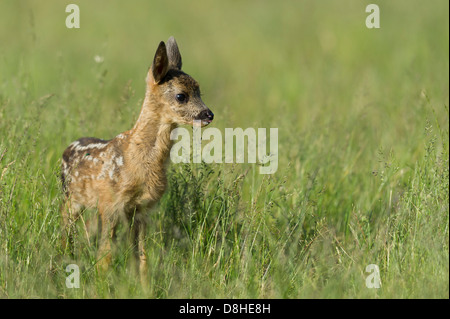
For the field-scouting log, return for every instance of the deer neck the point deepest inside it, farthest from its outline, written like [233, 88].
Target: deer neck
[150, 143]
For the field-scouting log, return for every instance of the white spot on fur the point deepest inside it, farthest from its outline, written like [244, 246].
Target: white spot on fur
[74, 144]
[119, 161]
[109, 165]
[89, 146]
[65, 169]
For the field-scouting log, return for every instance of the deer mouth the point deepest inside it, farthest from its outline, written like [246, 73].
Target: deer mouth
[206, 117]
[201, 123]
[206, 122]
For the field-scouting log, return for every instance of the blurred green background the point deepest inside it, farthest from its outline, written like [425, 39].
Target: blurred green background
[301, 66]
[362, 117]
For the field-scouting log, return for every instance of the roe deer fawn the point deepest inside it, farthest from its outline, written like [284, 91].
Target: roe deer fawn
[125, 176]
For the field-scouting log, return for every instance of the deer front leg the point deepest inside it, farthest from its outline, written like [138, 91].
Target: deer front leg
[108, 224]
[139, 228]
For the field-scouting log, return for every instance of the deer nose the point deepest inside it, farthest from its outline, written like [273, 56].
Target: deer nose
[207, 115]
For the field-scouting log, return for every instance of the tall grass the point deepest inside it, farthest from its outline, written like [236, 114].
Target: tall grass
[362, 117]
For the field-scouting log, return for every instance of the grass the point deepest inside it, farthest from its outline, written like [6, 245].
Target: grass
[362, 117]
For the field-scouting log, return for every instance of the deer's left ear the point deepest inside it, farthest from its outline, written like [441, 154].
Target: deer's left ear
[160, 64]
[174, 54]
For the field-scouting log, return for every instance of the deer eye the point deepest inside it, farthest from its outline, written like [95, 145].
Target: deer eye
[181, 97]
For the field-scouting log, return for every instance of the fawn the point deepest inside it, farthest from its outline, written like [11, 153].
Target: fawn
[126, 176]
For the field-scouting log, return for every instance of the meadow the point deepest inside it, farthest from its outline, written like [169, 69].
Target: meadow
[363, 133]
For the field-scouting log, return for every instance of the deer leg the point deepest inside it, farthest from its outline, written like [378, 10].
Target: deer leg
[139, 227]
[108, 223]
[70, 212]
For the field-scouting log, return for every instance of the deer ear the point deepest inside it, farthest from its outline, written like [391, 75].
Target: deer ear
[160, 64]
[174, 54]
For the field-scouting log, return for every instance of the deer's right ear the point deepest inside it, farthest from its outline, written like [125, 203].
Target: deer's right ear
[160, 64]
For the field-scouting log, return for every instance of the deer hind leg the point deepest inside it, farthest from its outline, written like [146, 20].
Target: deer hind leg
[70, 212]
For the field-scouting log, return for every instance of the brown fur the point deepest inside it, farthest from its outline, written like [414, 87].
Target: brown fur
[126, 175]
